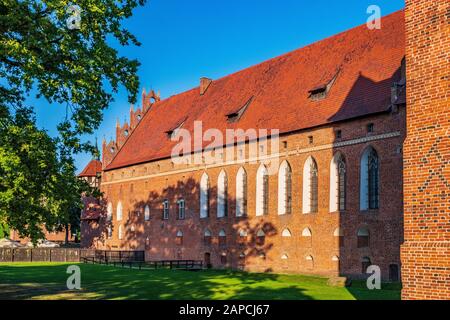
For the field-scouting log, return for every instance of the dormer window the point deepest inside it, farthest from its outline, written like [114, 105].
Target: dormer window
[237, 114]
[318, 93]
[126, 133]
[171, 134]
[321, 91]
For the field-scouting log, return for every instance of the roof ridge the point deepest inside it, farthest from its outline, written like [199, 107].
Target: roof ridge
[281, 88]
[341, 33]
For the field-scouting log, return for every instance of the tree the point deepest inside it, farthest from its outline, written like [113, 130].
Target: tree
[28, 171]
[43, 51]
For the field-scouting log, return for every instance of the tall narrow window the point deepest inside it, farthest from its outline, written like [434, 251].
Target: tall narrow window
[222, 195]
[342, 184]
[284, 188]
[181, 209]
[204, 196]
[262, 191]
[337, 183]
[369, 180]
[109, 212]
[166, 209]
[310, 186]
[266, 194]
[119, 211]
[241, 193]
[120, 235]
[147, 213]
[373, 180]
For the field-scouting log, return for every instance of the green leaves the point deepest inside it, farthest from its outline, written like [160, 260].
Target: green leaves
[67, 66]
[73, 67]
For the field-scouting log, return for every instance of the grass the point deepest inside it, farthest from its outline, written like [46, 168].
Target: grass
[48, 281]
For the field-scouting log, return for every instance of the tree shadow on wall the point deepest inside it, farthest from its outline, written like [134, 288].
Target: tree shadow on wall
[95, 225]
[178, 238]
[384, 235]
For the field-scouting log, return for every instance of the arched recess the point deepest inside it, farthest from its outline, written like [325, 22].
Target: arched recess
[284, 188]
[222, 194]
[204, 196]
[119, 213]
[338, 171]
[241, 193]
[369, 180]
[262, 191]
[310, 186]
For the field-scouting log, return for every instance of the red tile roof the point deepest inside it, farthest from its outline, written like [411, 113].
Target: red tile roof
[368, 62]
[91, 169]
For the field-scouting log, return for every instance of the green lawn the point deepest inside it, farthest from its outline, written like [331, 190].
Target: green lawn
[48, 281]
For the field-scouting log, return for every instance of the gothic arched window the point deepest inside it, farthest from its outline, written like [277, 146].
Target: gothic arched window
[222, 195]
[147, 213]
[120, 235]
[310, 186]
[262, 191]
[284, 188]
[338, 183]
[109, 212]
[204, 196]
[241, 193]
[119, 211]
[369, 180]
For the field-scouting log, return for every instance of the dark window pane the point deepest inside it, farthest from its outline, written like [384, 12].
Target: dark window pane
[373, 179]
[314, 188]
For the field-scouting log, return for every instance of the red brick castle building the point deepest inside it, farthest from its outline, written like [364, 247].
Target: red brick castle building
[325, 197]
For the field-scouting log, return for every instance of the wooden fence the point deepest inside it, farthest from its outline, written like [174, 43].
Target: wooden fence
[64, 254]
[160, 264]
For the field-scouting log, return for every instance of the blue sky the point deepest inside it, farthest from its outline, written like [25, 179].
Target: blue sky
[185, 40]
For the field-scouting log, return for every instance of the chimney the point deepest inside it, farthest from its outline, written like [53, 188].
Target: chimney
[204, 85]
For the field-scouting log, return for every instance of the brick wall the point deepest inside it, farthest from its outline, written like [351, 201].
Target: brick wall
[426, 251]
[153, 182]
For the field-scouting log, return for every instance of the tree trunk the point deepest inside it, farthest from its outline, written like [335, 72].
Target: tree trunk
[66, 240]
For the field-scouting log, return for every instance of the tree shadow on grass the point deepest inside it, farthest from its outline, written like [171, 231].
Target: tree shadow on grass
[389, 291]
[103, 282]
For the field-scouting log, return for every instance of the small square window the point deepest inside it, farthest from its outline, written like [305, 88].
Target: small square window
[370, 128]
[311, 139]
[338, 134]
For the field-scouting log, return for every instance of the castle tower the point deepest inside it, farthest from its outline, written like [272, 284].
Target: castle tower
[426, 250]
